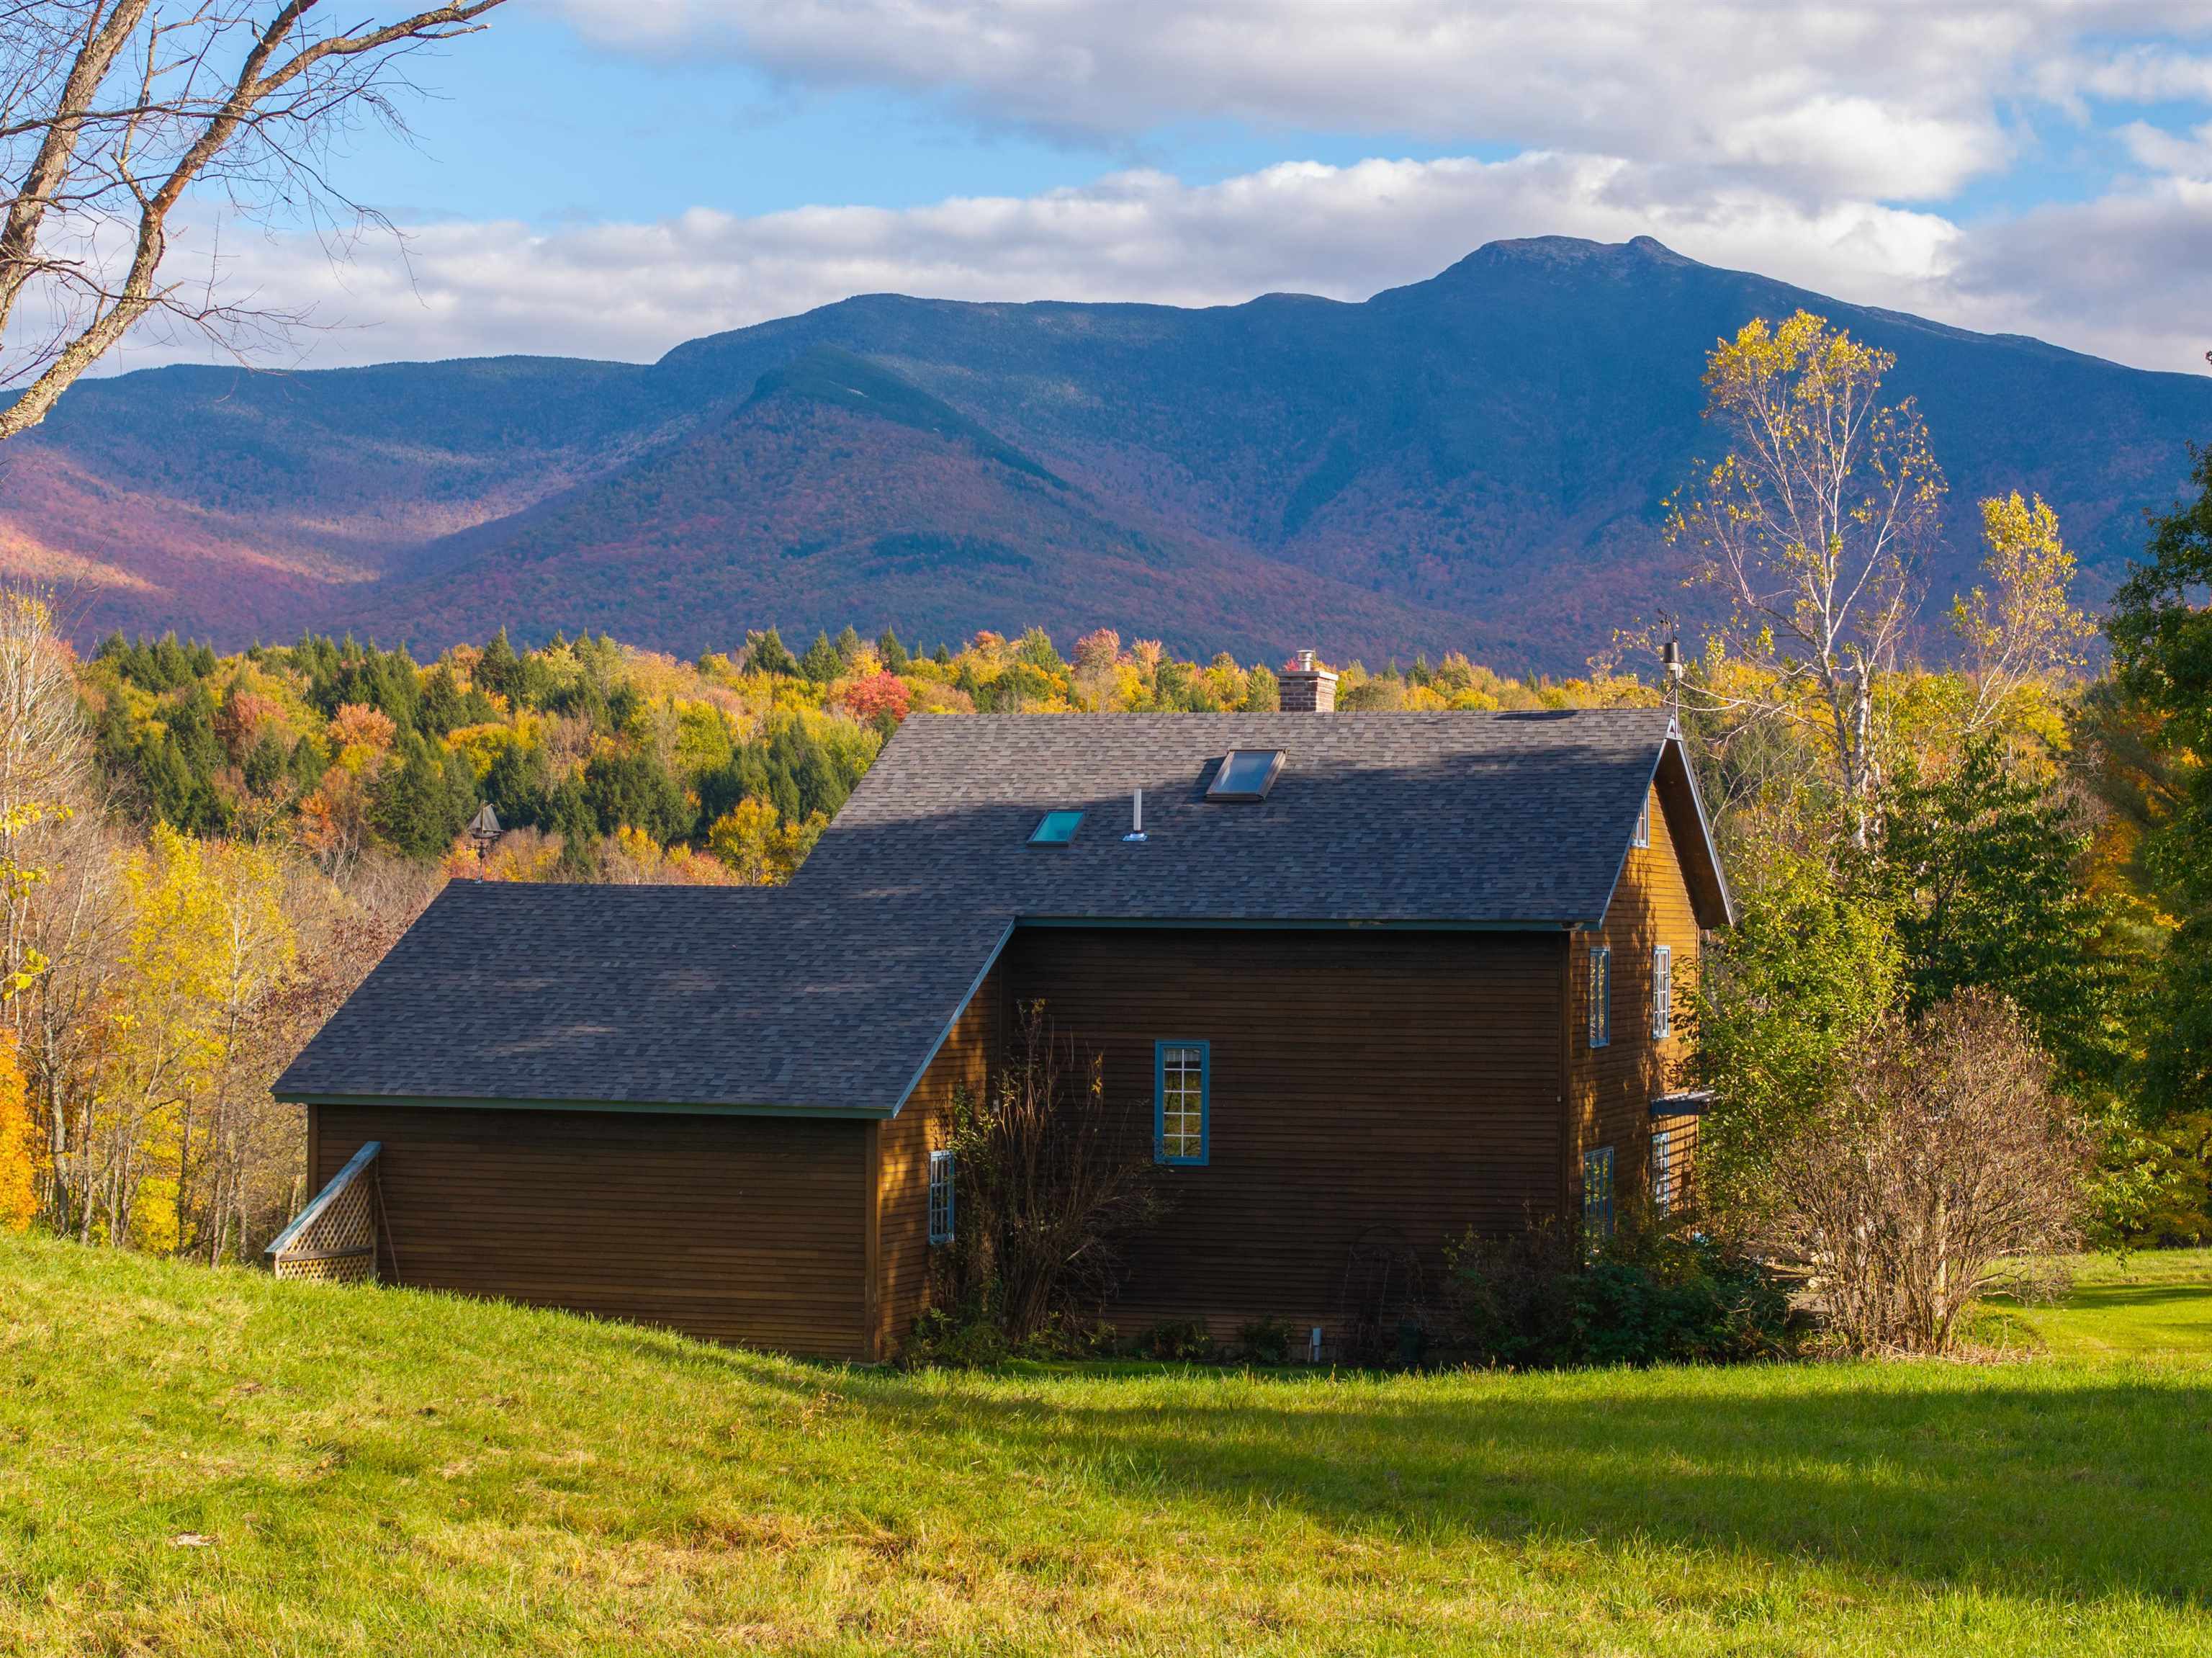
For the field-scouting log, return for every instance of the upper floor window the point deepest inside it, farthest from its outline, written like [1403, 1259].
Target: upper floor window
[1601, 995]
[940, 1197]
[1179, 1108]
[1644, 821]
[1663, 992]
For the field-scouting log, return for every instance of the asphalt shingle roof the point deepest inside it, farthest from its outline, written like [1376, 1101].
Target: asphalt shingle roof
[832, 994]
[1472, 818]
[705, 996]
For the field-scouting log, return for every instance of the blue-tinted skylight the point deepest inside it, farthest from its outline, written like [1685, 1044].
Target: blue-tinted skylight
[1246, 774]
[1055, 828]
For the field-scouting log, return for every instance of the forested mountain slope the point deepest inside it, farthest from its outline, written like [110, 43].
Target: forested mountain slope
[1473, 460]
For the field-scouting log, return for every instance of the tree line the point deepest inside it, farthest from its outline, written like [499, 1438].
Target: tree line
[201, 853]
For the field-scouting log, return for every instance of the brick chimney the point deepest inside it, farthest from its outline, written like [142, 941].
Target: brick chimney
[1309, 688]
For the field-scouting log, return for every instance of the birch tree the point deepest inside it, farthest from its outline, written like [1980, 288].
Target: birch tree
[1814, 525]
[2021, 630]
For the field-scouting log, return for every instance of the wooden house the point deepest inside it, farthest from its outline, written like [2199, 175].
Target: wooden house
[1367, 980]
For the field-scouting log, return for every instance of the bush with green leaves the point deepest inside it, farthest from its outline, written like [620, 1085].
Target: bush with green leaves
[1544, 1298]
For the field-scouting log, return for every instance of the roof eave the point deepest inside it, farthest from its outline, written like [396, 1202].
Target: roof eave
[642, 1108]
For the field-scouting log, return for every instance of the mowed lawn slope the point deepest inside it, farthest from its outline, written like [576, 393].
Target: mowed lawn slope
[211, 1462]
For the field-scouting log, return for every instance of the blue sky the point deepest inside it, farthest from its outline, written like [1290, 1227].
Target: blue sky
[611, 177]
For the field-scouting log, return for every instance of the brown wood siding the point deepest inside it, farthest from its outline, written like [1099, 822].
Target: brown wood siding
[923, 1126]
[734, 1229]
[1400, 1083]
[1614, 1086]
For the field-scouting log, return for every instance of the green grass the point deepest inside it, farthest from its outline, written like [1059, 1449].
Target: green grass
[390, 1472]
[2141, 1306]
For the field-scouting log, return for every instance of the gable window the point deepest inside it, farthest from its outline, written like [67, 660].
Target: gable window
[1597, 1194]
[1663, 992]
[940, 1197]
[1601, 995]
[1246, 774]
[1644, 821]
[1179, 1095]
[1055, 828]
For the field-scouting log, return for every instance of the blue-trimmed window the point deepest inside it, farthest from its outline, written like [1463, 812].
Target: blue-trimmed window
[1055, 828]
[1644, 821]
[940, 1197]
[1180, 1090]
[1597, 1194]
[1662, 992]
[1601, 995]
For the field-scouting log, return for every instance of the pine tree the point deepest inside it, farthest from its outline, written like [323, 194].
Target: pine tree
[820, 662]
[766, 653]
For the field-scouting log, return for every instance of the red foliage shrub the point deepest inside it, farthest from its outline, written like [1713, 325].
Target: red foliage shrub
[876, 695]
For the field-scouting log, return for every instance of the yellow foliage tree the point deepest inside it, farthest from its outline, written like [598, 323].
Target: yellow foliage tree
[208, 940]
[760, 848]
[19, 1199]
[1814, 526]
[2021, 632]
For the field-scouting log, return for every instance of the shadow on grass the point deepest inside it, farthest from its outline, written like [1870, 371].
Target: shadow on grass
[2054, 1482]
[1964, 1478]
[2138, 1296]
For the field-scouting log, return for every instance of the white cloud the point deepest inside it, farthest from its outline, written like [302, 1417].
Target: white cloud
[2167, 153]
[1886, 99]
[633, 291]
[2129, 275]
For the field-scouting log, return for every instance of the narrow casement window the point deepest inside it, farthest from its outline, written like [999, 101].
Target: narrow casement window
[940, 1197]
[1601, 995]
[1179, 1084]
[1662, 1172]
[1663, 992]
[1644, 822]
[1597, 1194]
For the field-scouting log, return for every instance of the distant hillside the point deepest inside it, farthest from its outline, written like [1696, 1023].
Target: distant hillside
[1475, 461]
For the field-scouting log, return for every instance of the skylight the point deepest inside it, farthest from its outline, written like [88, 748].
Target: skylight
[1055, 828]
[1246, 774]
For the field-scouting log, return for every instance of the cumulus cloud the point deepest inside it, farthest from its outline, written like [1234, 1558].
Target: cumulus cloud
[633, 291]
[1824, 145]
[1887, 100]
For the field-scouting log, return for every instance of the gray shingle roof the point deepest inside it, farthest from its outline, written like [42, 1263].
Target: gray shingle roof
[1429, 817]
[833, 993]
[704, 996]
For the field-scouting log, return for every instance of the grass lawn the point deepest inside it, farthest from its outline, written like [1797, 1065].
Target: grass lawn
[2140, 1305]
[214, 1463]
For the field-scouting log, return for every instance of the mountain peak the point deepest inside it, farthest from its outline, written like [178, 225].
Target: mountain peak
[1563, 251]
[1473, 462]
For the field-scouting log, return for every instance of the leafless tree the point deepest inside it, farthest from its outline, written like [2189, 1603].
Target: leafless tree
[1944, 1152]
[1814, 527]
[115, 114]
[1052, 1178]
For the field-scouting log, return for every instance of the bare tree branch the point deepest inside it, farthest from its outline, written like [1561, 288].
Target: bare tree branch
[115, 113]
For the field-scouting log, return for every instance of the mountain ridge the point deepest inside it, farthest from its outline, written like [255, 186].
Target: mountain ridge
[1473, 460]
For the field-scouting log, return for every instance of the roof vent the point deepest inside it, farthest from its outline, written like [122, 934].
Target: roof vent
[1246, 774]
[1307, 686]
